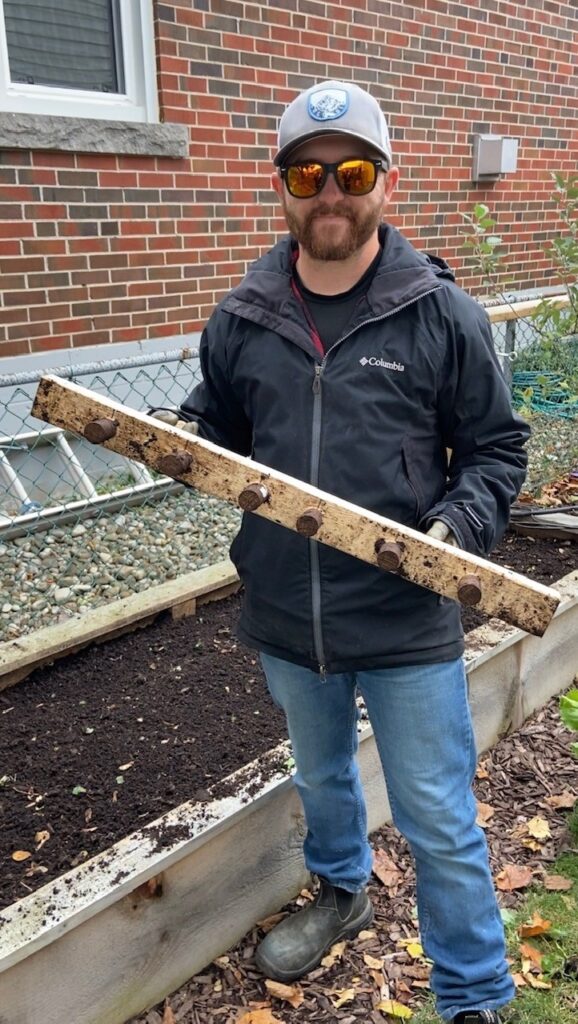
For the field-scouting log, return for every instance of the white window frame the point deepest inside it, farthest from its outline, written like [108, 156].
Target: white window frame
[139, 102]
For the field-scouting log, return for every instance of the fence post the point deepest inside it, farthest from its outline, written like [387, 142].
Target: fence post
[509, 349]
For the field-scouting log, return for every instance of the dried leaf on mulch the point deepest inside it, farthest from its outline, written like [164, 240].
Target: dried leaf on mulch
[514, 876]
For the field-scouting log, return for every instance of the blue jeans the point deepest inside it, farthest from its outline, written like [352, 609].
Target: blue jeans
[422, 725]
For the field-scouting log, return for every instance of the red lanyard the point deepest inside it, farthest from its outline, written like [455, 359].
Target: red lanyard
[315, 336]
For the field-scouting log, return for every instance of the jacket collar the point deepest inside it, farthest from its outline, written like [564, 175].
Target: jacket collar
[265, 295]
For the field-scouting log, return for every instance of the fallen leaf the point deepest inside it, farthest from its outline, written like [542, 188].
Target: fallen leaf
[532, 844]
[372, 962]
[334, 954]
[414, 949]
[386, 869]
[419, 972]
[531, 953]
[481, 771]
[305, 896]
[34, 869]
[557, 883]
[536, 926]
[513, 876]
[394, 1009]
[366, 935]
[485, 812]
[563, 801]
[292, 994]
[519, 980]
[537, 982]
[403, 989]
[520, 830]
[41, 838]
[342, 996]
[269, 922]
[259, 1017]
[412, 946]
[19, 855]
[539, 828]
[377, 978]
[168, 1016]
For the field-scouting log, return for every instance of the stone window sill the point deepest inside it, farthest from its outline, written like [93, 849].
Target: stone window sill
[87, 135]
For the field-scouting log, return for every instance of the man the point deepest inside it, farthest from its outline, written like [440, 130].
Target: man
[347, 359]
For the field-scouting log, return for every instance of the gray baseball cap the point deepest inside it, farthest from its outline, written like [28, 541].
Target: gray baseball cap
[333, 108]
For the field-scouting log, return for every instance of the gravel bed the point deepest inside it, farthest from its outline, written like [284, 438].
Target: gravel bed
[48, 576]
[552, 450]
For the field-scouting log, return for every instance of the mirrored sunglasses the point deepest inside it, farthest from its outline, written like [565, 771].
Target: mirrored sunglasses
[355, 177]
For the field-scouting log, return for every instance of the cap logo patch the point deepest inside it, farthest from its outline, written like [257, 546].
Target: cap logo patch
[328, 104]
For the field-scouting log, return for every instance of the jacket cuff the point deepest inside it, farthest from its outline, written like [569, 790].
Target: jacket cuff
[466, 528]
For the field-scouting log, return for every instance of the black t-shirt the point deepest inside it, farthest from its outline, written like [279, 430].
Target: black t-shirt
[331, 313]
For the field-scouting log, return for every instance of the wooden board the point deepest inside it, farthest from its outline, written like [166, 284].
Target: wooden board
[519, 310]
[347, 527]
[19, 657]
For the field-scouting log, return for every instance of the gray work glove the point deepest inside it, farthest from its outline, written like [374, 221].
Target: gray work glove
[439, 531]
[172, 418]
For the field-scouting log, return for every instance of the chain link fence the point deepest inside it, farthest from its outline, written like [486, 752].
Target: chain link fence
[81, 526]
[543, 375]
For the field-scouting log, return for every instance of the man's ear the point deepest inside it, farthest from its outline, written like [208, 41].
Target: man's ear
[391, 183]
[277, 183]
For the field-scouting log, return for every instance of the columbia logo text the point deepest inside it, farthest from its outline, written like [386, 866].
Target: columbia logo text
[374, 361]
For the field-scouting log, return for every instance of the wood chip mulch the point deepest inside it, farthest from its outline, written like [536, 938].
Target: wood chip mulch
[528, 775]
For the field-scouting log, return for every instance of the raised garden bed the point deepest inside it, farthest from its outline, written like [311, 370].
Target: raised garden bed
[238, 848]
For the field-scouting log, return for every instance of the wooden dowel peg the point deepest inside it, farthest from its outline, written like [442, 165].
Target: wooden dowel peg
[469, 590]
[252, 496]
[389, 554]
[309, 522]
[97, 431]
[175, 463]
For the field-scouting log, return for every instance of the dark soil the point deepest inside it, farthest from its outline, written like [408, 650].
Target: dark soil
[109, 739]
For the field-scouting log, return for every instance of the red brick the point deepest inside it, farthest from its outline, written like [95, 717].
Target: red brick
[14, 348]
[49, 343]
[24, 298]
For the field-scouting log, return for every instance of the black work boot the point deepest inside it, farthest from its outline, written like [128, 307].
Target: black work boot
[299, 943]
[477, 1017]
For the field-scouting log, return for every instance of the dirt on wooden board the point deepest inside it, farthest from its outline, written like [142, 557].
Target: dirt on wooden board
[107, 740]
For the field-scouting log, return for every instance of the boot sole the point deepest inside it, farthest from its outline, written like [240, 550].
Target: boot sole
[349, 932]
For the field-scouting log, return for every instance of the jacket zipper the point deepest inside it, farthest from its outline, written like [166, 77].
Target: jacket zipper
[418, 512]
[314, 478]
[313, 545]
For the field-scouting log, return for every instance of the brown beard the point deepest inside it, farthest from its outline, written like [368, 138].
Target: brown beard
[360, 230]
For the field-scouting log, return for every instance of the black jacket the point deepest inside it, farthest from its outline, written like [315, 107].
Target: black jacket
[414, 374]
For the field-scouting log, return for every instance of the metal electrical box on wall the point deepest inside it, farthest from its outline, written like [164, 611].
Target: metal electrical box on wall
[494, 155]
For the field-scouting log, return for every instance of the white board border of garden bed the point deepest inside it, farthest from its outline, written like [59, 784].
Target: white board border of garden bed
[114, 936]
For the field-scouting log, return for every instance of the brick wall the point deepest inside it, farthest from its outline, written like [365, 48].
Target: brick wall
[97, 248]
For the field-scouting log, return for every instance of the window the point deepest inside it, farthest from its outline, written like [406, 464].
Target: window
[78, 58]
